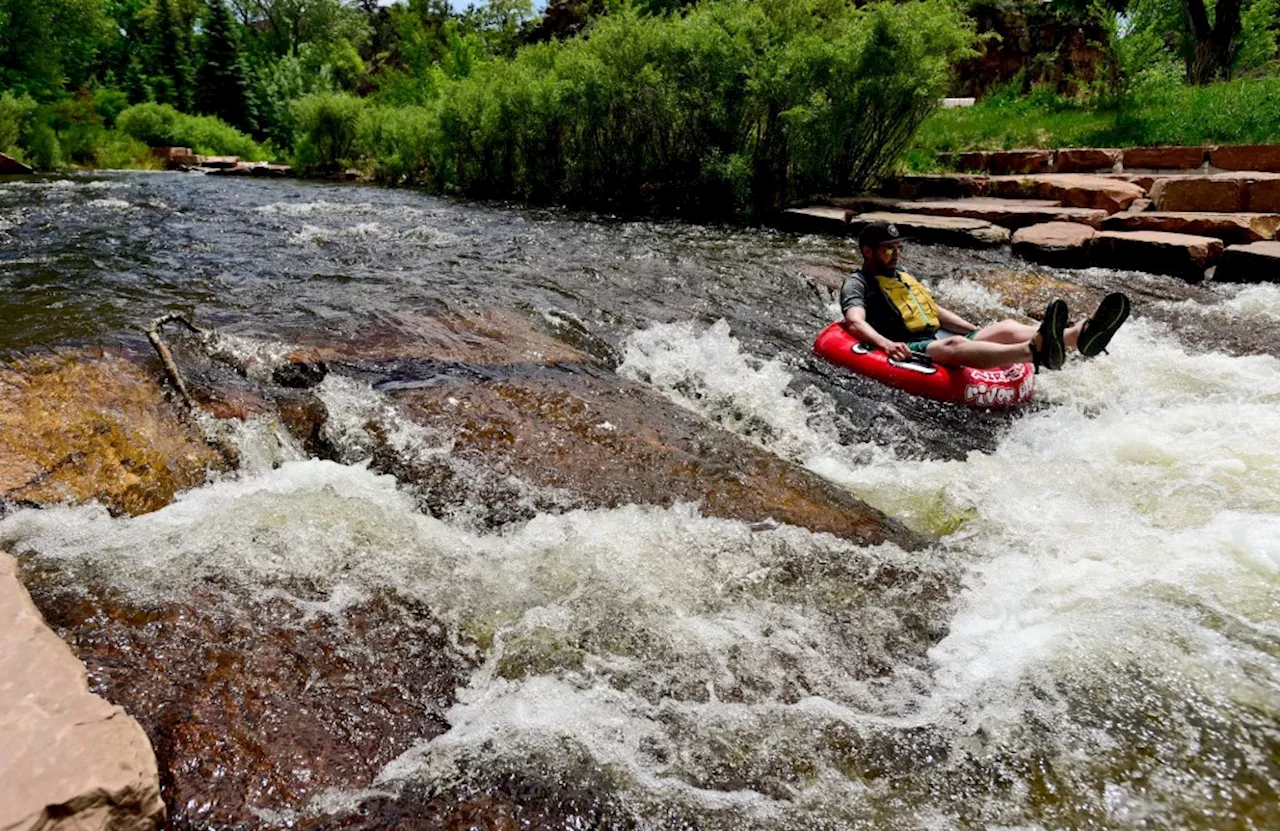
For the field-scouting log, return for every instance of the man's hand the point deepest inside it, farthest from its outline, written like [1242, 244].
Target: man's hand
[897, 350]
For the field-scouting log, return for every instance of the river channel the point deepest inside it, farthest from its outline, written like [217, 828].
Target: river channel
[1106, 653]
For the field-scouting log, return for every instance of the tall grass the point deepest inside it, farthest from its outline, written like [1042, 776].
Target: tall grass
[1162, 111]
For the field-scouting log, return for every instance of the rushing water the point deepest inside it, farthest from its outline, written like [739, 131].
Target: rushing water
[1111, 656]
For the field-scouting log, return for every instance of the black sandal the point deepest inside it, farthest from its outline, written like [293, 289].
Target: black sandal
[1052, 352]
[1098, 330]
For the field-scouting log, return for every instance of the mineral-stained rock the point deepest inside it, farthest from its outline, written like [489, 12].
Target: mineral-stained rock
[70, 761]
[79, 427]
[1073, 190]
[1257, 262]
[1263, 157]
[1181, 255]
[1086, 160]
[1229, 227]
[1054, 243]
[948, 230]
[258, 704]
[1164, 158]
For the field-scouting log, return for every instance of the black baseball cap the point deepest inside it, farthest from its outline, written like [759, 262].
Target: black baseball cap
[878, 233]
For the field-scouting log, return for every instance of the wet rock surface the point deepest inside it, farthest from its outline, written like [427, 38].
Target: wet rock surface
[76, 427]
[1054, 243]
[948, 230]
[70, 759]
[257, 704]
[1257, 262]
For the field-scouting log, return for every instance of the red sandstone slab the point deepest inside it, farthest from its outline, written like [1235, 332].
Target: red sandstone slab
[1257, 262]
[1003, 162]
[1181, 255]
[974, 160]
[1007, 213]
[1261, 157]
[946, 186]
[816, 219]
[1054, 243]
[1164, 158]
[1086, 160]
[1228, 227]
[944, 230]
[1073, 190]
[1228, 192]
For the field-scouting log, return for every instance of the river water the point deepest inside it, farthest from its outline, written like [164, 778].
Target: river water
[1111, 655]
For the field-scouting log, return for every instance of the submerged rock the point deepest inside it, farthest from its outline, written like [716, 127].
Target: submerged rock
[69, 759]
[76, 427]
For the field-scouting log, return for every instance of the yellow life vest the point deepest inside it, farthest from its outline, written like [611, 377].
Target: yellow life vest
[911, 300]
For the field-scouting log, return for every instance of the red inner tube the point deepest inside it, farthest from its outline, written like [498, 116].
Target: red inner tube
[1005, 386]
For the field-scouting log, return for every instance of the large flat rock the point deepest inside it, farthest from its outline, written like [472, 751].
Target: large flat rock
[1262, 157]
[69, 759]
[1164, 158]
[1228, 227]
[1003, 162]
[1225, 192]
[942, 185]
[816, 219]
[1256, 262]
[1086, 160]
[1073, 190]
[1180, 255]
[946, 230]
[1007, 213]
[1055, 243]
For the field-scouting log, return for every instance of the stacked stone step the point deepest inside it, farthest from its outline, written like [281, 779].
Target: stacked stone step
[1172, 210]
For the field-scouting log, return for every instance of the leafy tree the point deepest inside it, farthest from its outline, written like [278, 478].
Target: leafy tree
[221, 77]
[173, 81]
[49, 45]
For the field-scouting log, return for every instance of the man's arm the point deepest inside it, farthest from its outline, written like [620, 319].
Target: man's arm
[953, 322]
[855, 319]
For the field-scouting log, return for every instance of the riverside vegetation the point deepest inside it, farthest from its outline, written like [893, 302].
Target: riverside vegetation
[720, 107]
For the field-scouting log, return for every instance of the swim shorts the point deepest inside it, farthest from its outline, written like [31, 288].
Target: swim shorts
[919, 346]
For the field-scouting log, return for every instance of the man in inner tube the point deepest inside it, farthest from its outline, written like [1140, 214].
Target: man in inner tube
[887, 308]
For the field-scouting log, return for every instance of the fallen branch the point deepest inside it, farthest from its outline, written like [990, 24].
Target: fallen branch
[171, 368]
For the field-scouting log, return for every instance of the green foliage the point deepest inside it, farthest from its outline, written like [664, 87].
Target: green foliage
[161, 124]
[108, 103]
[274, 88]
[15, 110]
[399, 141]
[733, 106]
[1163, 110]
[327, 125]
[47, 45]
[1258, 30]
[221, 79]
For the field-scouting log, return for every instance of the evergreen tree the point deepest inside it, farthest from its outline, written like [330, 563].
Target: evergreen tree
[174, 84]
[221, 78]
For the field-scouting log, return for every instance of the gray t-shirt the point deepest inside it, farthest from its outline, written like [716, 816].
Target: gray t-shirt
[862, 291]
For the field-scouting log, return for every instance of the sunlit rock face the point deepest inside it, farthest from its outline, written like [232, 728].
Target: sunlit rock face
[76, 427]
[70, 760]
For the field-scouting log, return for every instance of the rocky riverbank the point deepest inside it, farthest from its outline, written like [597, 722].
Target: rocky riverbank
[1189, 212]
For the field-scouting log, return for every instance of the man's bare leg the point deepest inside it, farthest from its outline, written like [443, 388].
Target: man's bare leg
[1013, 331]
[960, 351]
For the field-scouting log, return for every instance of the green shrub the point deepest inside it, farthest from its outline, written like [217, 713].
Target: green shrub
[115, 150]
[326, 135]
[44, 150]
[161, 124]
[15, 111]
[109, 103]
[399, 141]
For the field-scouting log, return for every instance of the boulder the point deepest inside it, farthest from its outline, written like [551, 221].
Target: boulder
[1140, 205]
[1263, 157]
[77, 428]
[1229, 227]
[69, 760]
[275, 171]
[815, 219]
[1054, 243]
[1003, 162]
[1180, 255]
[1226, 192]
[976, 160]
[946, 230]
[10, 166]
[1163, 158]
[1083, 160]
[1256, 262]
[1073, 190]
[217, 161]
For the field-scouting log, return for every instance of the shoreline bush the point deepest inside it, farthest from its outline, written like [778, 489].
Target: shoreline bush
[161, 124]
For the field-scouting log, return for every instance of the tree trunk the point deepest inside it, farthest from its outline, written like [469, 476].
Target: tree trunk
[1214, 46]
